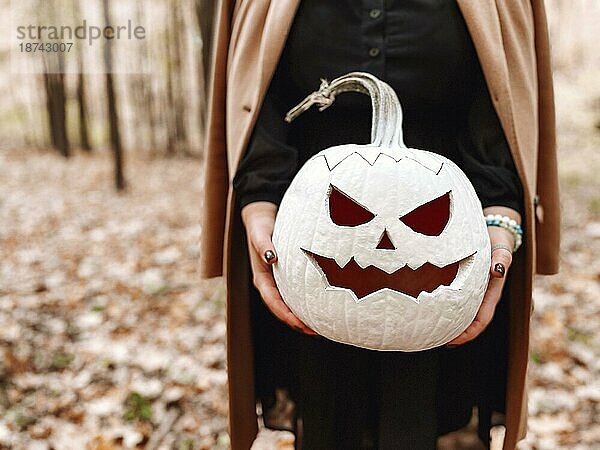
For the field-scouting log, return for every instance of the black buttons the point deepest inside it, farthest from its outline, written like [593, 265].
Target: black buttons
[374, 13]
[374, 51]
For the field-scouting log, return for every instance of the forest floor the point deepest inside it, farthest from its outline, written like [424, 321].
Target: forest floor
[109, 340]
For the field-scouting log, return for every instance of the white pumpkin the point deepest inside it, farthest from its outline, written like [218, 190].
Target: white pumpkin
[381, 246]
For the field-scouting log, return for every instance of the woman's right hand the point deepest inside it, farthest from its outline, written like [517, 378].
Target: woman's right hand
[259, 220]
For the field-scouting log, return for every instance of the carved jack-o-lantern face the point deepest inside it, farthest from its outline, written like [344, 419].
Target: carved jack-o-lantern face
[382, 248]
[429, 219]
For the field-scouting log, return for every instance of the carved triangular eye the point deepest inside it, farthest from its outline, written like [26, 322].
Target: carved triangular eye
[431, 218]
[346, 212]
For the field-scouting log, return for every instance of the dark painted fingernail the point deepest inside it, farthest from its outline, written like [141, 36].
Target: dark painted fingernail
[499, 267]
[269, 255]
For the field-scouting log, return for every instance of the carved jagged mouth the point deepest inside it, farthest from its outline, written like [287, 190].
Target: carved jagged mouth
[364, 281]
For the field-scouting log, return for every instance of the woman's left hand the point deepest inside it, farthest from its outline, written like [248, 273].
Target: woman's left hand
[501, 260]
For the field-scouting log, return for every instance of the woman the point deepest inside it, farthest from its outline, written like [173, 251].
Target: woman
[510, 44]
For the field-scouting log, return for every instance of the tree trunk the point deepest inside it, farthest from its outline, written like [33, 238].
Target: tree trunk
[140, 86]
[205, 12]
[56, 108]
[56, 99]
[178, 75]
[170, 112]
[84, 139]
[113, 117]
[177, 135]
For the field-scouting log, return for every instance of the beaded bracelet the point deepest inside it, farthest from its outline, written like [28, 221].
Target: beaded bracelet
[509, 224]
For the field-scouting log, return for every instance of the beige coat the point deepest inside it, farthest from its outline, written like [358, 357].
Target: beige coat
[511, 40]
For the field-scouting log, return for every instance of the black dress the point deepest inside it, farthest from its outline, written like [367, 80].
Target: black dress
[348, 397]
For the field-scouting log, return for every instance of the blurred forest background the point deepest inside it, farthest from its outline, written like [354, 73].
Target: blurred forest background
[78, 101]
[108, 339]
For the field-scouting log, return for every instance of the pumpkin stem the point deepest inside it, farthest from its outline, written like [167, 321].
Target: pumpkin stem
[386, 130]
[320, 97]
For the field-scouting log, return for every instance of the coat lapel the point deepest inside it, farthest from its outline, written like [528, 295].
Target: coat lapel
[277, 26]
[483, 23]
[277, 23]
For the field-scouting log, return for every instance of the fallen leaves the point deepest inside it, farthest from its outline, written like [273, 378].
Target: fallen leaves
[109, 339]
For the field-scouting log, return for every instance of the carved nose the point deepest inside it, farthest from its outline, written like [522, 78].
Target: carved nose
[385, 243]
